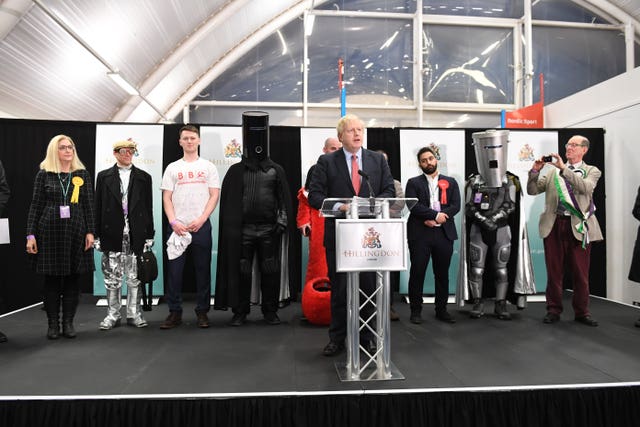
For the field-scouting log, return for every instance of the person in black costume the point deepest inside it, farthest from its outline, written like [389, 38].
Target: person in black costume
[256, 222]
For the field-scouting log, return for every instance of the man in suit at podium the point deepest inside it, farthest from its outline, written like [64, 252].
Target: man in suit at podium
[343, 174]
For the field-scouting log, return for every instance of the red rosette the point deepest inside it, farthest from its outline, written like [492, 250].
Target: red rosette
[443, 185]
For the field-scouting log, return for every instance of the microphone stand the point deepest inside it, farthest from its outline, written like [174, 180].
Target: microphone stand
[372, 196]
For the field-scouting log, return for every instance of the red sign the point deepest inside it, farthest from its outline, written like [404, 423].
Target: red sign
[527, 117]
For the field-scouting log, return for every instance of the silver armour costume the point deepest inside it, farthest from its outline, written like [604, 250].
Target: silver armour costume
[124, 229]
[116, 267]
[493, 217]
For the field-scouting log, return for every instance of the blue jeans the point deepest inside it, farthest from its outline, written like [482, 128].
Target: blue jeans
[200, 250]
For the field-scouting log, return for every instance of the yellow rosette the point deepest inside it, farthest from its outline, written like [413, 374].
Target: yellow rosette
[77, 183]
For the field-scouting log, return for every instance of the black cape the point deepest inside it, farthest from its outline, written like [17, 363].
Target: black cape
[230, 239]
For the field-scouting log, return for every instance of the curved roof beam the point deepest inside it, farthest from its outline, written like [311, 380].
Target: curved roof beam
[230, 57]
[220, 63]
[613, 10]
[11, 12]
[180, 52]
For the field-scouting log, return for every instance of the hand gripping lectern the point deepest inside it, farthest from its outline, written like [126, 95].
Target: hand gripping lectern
[370, 237]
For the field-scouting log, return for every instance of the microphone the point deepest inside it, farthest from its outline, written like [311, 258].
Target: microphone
[372, 196]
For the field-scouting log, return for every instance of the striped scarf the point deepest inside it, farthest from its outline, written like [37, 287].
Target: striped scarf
[569, 202]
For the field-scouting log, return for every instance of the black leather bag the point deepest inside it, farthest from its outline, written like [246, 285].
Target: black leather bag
[147, 267]
[147, 273]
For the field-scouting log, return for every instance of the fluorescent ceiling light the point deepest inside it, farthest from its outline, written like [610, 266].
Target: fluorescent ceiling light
[116, 77]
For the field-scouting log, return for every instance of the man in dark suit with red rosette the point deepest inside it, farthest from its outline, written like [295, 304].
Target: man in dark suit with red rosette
[431, 232]
[336, 176]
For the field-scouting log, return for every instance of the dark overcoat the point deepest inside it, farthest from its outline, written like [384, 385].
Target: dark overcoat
[109, 213]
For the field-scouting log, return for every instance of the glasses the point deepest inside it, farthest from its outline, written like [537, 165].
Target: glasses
[572, 145]
[123, 151]
[65, 147]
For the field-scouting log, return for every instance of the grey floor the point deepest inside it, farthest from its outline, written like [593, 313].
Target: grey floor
[258, 358]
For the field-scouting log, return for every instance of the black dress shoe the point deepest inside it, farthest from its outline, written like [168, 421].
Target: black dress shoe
[238, 319]
[445, 317]
[415, 318]
[551, 318]
[271, 318]
[587, 320]
[333, 348]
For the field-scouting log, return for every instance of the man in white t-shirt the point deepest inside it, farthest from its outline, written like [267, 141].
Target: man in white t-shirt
[190, 192]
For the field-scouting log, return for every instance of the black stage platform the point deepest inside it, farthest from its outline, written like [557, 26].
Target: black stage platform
[482, 372]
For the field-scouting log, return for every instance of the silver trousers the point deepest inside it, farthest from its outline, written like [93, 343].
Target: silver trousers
[119, 267]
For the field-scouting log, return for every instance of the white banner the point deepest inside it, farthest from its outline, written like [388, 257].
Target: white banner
[149, 139]
[371, 245]
[450, 152]
[311, 144]
[524, 148]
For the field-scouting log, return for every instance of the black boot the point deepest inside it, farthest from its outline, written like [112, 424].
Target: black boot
[69, 307]
[53, 333]
[52, 308]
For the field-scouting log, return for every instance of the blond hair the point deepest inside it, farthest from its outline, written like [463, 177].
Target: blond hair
[346, 119]
[51, 162]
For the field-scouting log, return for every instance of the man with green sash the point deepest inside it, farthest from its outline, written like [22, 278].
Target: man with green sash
[567, 225]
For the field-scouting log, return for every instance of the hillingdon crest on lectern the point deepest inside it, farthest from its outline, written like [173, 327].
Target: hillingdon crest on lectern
[370, 236]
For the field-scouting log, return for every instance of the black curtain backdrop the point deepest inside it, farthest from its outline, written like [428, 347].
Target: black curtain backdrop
[597, 407]
[23, 144]
[387, 140]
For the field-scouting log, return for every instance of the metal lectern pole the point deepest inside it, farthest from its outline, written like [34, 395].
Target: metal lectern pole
[376, 366]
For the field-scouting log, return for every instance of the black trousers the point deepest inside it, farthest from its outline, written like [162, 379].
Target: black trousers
[338, 326]
[434, 245]
[261, 241]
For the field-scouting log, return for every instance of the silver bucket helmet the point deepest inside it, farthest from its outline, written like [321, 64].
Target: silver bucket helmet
[491, 155]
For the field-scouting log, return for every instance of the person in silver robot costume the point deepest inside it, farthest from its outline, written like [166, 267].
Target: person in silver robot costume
[495, 260]
[124, 229]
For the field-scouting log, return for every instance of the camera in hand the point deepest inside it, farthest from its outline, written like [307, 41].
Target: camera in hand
[547, 159]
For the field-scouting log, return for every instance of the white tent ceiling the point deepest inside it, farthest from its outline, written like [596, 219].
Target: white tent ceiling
[55, 54]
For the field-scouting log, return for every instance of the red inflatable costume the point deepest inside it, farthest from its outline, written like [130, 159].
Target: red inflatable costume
[316, 294]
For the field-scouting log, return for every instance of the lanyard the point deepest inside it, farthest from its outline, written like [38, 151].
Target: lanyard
[65, 191]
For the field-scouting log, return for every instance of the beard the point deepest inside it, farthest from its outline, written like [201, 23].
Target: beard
[429, 169]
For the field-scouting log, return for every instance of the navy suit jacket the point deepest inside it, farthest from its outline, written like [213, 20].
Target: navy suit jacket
[418, 187]
[331, 179]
